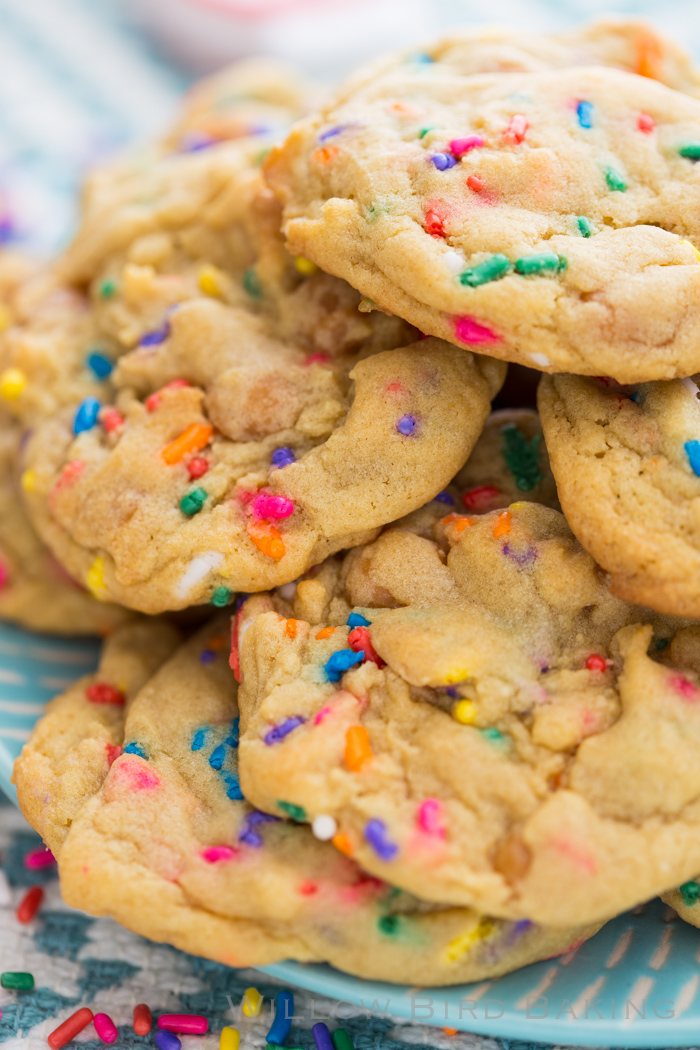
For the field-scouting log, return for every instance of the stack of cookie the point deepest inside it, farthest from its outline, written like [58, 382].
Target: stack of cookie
[426, 737]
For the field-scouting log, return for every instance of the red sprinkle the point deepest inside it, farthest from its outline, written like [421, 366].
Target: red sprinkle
[70, 1028]
[113, 753]
[515, 132]
[308, 888]
[596, 663]
[645, 123]
[153, 400]
[197, 467]
[143, 1020]
[111, 420]
[29, 906]
[433, 224]
[359, 639]
[475, 183]
[481, 497]
[234, 658]
[103, 693]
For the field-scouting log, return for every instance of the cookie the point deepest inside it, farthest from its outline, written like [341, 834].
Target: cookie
[685, 900]
[479, 719]
[626, 461]
[542, 217]
[81, 733]
[177, 855]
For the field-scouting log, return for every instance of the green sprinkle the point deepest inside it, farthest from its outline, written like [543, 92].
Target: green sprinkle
[661, 643]
[542, 262]
[614, 180]
[489, 270]
[494, 736]
[376, 210]
[585, 227]
[221, 597]
[262, 155]
[389, 924]
[424, 131]
[690, 892]
[19, 982]
[193, 502]
[691, 150]
[341, 1040]
[107, 288]
[521, 457]
[251, 283]
[297, 813]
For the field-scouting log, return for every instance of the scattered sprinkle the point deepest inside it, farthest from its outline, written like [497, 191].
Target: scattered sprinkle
[461, 945]
[279, 732]
[12, 383]
[135, 749]
[17, 981]
[325, 632]
[541, 262]
[252, 1001]
[70, 1028]
[480, 497]
[521, 457]
[95, 579]
[645, 123]
[360, 642]
[154, 338]
[167, 1041]
[615, 180]
[39, 858]
[465, 712]
[322, 1036]
[267, 539]
[211, 280]
[30, 904]
[221, 597]
[430, 817]
[230, 1038]
[99, 365]
[233, 788]
[357, 748]
[341, 1039]
[297, 813]
[194, 439]
[434, 224]
[324, 827]
[153, 400]
[251, 283]
[104, 693]
[494, 736]
[584, 113]
[475, 182]
[184, 1024]
[143, 1020]
[407, 425]
[662, 643]
[469, 330]
[107, 288]
[198, 568]
[284, 1013]
[282, 457]
[193, 502]
[111, 419]
[197, 467]
[444, 497]
[218, 757]
[342, 843]
[443, 161]
[491, 269]
[389, 925]
[86, 415]
[690, 892]
[198, 740]
[267, 505]
[326, 155]
[304, 266]
[248, 835]
[502, 524]
[341, 661]
[105, 1028]
[595, 662]
[356, 620]
[516, 130]
[584, 225]
[376, 834]
[464, 145]
[692, 449]
[541, 360]
[690, 150]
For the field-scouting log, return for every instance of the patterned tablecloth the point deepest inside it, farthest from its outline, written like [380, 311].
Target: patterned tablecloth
[77, 82]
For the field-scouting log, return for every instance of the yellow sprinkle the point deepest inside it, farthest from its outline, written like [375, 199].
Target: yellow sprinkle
[460, 674]
[29, 481]
[230, 1038]
[465, 712]
[210, 281]
[518, 505]
[95, 579]
[12, 383]
[6, 317]
[252, 1001]
[304, 266]
[462, 944]
[697, 253]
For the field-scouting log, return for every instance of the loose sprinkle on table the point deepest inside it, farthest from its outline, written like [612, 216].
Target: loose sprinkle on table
[105, 1028]
[70, 1028]
[165, 1040]
[17, 981]
[230, 1038]
[252, 1001]
[184, 1024]
[143, 1021]
[30, 904]
[322, 1036]
[341, 1040]
[284, 1013]
[357, 748]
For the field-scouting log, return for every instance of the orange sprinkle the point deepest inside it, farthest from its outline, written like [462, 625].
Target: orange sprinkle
[326, 632]
[460, 522]
[357, 748]
[267, 539]
[502, 526]
[450, 1031]
[326, 154]
[342, 842]
[649, 56]
[291, 628]
[193, 439]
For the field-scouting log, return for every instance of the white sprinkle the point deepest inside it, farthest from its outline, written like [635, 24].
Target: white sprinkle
[287, 591]
[691, 386]
[324, 827]
[198, 568]
[454, 261]
[541, 359]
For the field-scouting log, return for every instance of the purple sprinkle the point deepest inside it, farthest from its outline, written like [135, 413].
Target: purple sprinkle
[7, 228]
[278, 733]
[526, 558]
[155, 337]
[207, 656]
[196, 140]
[444, 497]
[376, 835]
[250, 837]
[443, 161]
[337, 130]
[451, 691]
[282, 457]
[407, 425]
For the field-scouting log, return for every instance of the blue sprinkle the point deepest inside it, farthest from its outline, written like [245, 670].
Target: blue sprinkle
[355, 620]
[100, 365]
[376, 835]
[240, 601]
[198, 739]
[216, 759]
[693, 450]
[444, 497]
[584, 112]
[282, 457]
[278, 733]
[284, 1013]
[135, 749]
[341, 661]
[322, 1036]
[86, 416]
[407, 425]
[234, 738]
[443, 161]
[422, 58]
[155, 337]
[207, 656]
[166, 1040]
[233, 787]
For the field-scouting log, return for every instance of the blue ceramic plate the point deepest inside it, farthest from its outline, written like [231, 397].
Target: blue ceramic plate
[636, 984]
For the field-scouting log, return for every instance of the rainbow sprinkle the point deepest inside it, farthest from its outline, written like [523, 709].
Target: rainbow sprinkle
[584, 226]
[86, 415]
[340, 662]
[193, 502]
[443, 161]
[282, 457]
[692, 449]
[491, 269]
[614, 180]
[376, 834]
[279, 732]
[690, 150]
[99, 365]
[584, 114]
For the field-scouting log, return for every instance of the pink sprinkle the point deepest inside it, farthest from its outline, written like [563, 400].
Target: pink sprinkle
[323, 713]
[645, 123]
[468, 330]
[687, 690]
[111, 420]
[461, 146]
[133, 774]
[395, 387]
[430, 817]
[308, 888]
[213, 854]
[39, 858]
[105, 1028]
[515, 132]
[319, 359]
[184, 1024]
[577, 855]
[268, 506]
[4, 575]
